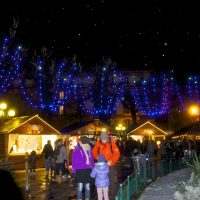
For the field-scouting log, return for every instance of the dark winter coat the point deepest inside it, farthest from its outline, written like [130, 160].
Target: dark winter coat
[48, 150]
[32, 160]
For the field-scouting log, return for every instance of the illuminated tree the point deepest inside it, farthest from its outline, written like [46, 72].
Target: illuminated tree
[10, 60]
[105, 87]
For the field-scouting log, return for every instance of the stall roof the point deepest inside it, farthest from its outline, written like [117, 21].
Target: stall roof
[192, 129]
[16, 122]
[147, 125]
[73, 127]
[80, 126]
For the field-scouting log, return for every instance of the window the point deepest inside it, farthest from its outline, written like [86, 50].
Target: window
[61, 110]
[127, 111]
[127, 122]
[61, 95]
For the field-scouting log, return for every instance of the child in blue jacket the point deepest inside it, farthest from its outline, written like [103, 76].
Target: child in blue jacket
[100, 173]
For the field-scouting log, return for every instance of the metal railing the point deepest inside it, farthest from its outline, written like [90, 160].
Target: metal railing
[137, 181]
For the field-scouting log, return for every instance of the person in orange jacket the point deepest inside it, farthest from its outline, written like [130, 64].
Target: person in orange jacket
[107, 147]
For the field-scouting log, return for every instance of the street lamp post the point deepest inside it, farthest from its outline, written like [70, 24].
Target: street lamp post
[120, 129]
[5, 113]
[194, 111]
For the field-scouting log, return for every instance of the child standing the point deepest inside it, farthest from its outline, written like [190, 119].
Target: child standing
[100, 173]
[32, 161]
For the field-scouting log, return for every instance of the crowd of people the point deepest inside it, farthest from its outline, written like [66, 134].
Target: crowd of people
[95, 162]
[164, 150]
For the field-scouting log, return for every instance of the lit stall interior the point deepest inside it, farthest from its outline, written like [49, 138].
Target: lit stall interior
[91, 129]
[20, 143]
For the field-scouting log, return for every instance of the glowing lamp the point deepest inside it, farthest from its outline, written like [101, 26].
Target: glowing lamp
[103, 129]
[194, 110]
[3, 106]
[11, 113]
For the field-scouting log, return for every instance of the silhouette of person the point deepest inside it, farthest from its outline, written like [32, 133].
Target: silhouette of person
[8, 187]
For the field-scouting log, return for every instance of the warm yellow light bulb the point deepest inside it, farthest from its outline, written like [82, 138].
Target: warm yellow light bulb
[3, 106]
[103, 129]
[11, 113]
[194, 110]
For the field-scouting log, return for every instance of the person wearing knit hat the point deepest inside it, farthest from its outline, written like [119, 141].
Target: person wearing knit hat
[108, 148]
[101, 158]
[100, 173]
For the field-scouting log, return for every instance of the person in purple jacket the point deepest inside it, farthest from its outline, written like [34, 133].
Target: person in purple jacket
[82, 164]
[100, 173]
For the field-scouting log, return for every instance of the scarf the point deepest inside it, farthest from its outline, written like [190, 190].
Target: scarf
[86, 151]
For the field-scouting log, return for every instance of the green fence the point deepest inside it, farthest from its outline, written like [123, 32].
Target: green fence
[137, 181]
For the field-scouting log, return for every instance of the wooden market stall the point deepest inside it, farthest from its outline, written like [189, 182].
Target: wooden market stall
[191, 131]
[148, 131]
[24, 134]
[90, 128]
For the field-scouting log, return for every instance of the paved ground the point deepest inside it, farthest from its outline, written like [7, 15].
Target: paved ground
[164, 188]
[43, 189]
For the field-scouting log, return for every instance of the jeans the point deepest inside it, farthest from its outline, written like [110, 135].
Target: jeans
[48, 163]
[80, 190]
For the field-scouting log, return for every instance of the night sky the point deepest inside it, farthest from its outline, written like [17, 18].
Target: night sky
[138, 35]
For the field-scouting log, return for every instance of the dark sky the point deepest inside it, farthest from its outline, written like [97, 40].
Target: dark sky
[153, 34]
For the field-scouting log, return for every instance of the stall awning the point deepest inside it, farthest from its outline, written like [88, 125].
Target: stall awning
[27, 125]
[148, 128]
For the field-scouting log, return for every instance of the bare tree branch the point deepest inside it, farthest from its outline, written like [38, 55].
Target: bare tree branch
[13, 28]
[45, 52]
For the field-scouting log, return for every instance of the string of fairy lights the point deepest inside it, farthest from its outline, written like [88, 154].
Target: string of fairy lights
[150, 99]
[63, 82]
[97, 93]
[10, 60]
[193, 89]
[108, 90]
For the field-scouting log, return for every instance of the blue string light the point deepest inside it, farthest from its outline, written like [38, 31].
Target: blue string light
[193, 89]
[10, 59]
[175, 92]
[64, 83]
[152, 96]
[105, 90]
